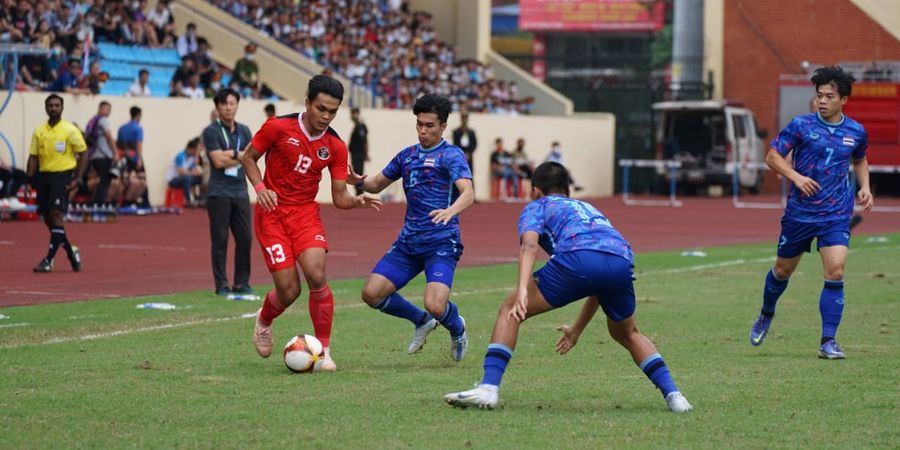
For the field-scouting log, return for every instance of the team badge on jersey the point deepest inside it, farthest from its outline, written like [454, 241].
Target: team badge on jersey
[323, 153]
[849, 141]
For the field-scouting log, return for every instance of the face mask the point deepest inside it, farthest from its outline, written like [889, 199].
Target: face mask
[248, 56]
[556, 148]
[216, 85]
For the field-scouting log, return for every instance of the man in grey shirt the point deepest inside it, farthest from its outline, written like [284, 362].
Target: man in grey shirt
[228, 203]
[102, 150]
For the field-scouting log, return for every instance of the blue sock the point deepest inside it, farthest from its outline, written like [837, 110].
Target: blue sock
[655, 369]
[451, 321]
[773, 290]
[398, 306]
[495, 361]
[831, 307]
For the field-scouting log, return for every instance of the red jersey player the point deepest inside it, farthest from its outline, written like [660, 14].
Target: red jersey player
[298, 147]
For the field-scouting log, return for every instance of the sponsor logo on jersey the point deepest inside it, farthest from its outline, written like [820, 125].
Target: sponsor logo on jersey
[319, 237]
[294, 141]
[323, 153]
[849, 141]
[813, 135]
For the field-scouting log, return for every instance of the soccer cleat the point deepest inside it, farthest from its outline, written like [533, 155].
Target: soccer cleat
[418, 339]
[75, 259]
[484, 396]
[831, 350]
[328, 364]
[242, 289]
[262, 337]
[760, 329]
[45, 266]
[677, 402]
[459, 344]
[222, 291]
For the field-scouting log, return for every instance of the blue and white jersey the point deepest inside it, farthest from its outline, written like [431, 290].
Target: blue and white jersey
[822, 151]
[566, 225]
[429, 177]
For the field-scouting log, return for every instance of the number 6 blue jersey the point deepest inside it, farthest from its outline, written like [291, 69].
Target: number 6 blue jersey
[822, 151]
[429, 177]
[566, 225]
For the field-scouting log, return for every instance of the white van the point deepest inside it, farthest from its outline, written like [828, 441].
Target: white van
[707, 136]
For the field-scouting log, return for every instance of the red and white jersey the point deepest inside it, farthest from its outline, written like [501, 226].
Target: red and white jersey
[295, 160]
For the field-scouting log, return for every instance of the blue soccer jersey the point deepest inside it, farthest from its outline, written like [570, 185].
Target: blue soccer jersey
[429, 178]
[566, 225]
[822, 151]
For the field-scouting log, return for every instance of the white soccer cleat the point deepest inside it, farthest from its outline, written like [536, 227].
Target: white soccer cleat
[677, 402]
[262, 337]
[328, 364]
[484, 396]
[418, 339]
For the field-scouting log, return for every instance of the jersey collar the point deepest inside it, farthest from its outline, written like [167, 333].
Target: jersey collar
[429, 150]
[306, 133]
[829, 124]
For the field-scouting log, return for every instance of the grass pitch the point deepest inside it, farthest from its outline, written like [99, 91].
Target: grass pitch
[104, 374]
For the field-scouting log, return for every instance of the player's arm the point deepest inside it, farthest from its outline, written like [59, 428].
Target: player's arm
[266, 198]
[373, 185]
[780, 165]
[528, 251]
[344, 200]
[571, 333]
[466, 198]
[864, 197]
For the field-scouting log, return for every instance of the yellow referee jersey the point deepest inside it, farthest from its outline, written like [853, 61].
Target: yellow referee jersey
[55, 147]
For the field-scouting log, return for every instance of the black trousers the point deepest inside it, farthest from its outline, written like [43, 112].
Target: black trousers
[230, 213]
[358, 162]
[101, 166]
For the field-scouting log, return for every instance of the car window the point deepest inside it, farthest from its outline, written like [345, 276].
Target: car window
[740, 128]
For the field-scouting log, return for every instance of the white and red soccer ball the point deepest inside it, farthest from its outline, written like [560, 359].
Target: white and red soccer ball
[304, 354]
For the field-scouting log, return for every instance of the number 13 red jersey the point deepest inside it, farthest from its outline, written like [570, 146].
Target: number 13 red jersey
[295, 160]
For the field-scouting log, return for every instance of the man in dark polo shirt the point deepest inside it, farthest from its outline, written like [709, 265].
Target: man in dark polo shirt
[228, 203]
[359, 145]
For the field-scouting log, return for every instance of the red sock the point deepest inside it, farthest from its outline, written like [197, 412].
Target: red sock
[321, 311]
[271, 308]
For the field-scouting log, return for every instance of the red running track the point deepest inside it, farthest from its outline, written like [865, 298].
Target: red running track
[170, 253]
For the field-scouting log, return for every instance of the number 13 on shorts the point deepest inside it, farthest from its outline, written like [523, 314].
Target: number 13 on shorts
[276, 253]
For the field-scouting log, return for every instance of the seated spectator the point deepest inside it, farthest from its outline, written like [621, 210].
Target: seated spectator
[186, 172]
[69, 80]
[524, 165]
[246, 71]
[187, 42]
[203, 62]
[11, 180]
[183, 72]
[141, 86]
[556, 156]
[192, 89]
[95, 79]
[503, 169]
[161, 24]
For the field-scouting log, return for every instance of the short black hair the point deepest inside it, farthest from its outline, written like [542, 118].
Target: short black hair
[433, 103]
[551, 178]
[222, 96]
[835, 75]
[134, 111]
[103, 103]
[143, 71]
[193, 143]
[323, 84]
[270, 108]
[51, 97]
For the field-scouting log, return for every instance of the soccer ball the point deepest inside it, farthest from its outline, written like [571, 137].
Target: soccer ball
[303, 354]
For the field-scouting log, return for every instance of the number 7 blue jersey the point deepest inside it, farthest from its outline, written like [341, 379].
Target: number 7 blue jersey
[567, 225]
[822, 151]
[429, 182]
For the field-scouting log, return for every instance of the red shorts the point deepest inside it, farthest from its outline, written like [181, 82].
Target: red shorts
[286, 232]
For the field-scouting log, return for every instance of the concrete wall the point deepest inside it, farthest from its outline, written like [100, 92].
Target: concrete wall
[588, 143]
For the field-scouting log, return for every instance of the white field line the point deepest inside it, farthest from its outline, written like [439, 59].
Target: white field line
[128, 331]
[7, 242]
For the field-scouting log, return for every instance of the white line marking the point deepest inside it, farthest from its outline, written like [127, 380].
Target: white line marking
[11, 325]
[7, 242]
[87, 295]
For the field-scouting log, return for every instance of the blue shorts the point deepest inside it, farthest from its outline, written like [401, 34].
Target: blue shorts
[796, 237]
[574, 275]
[404, 261]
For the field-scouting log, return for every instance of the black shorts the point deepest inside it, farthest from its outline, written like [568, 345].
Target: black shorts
[51, 190]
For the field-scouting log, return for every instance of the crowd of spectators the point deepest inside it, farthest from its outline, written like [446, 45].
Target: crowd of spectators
[382, 45]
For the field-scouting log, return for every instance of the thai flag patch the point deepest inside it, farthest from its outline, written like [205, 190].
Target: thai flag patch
[849, 141]
[429, 162]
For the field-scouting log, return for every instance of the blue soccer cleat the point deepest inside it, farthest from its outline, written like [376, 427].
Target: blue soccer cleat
[760, 329]
[831, 350]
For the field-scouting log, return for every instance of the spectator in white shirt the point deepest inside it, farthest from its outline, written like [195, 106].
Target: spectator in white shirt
[187, 42]
[141, 86]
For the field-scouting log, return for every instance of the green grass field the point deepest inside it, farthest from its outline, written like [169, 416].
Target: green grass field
[104, 374]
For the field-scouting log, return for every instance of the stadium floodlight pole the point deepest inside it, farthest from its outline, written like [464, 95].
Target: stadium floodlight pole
[687, 50]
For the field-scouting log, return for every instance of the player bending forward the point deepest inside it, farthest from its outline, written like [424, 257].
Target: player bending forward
[588, 258]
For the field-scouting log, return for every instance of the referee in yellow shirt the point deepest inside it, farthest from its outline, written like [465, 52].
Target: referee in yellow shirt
[57, 160]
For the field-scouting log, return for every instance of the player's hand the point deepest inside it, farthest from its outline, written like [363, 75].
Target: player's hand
[520, 307]
[567, 340]
[441, 216]
[807, 185]
[364, 201]
[353, 178]
[865, 199]
[268, 199]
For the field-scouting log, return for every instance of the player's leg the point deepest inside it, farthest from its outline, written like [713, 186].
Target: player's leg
[833, 247]
[321, 299]
[500, 351]
[278, 255]
[795, 239]
[439, 276]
